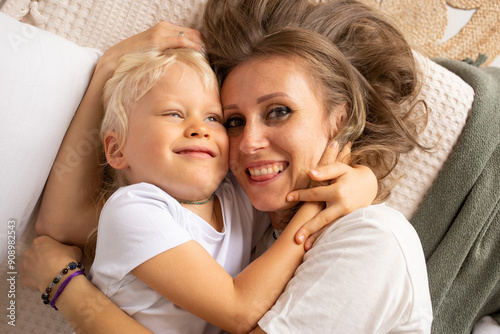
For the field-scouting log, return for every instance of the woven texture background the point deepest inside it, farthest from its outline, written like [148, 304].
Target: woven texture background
[102, 23]
[424, 23]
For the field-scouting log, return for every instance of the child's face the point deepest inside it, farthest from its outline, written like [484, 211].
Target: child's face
[176, 137]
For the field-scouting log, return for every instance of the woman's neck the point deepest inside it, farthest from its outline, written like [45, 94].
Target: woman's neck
[211, 212]
[279, 219]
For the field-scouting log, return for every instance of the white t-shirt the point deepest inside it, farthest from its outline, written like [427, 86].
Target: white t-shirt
[141, 221]
[365, 274]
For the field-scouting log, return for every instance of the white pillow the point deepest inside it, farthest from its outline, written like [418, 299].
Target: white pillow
[42, 79]
[449, 100]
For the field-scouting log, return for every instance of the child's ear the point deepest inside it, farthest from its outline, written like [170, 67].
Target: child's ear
[114, 154]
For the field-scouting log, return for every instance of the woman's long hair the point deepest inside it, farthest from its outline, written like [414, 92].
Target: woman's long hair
[382, 82]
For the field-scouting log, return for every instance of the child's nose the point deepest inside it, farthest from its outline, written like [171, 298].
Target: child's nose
[198, 129]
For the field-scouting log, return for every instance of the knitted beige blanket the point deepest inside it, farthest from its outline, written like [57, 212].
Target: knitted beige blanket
[428, 24]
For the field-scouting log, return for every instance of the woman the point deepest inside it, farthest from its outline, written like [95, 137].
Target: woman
[260, 68]
[258, 93]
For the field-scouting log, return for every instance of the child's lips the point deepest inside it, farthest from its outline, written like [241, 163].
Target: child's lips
[196, 152]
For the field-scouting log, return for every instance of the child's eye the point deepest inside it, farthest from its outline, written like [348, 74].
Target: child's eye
[278, 112]
[214, 118]
[172, 114]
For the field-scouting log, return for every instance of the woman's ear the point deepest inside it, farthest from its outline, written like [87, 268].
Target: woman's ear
[113, 151]
[338, 117]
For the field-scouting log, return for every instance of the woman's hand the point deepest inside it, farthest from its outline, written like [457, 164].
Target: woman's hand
[349, 188]
[161, 36]
[44, 260]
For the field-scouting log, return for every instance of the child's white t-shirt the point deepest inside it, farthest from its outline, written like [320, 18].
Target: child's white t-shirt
[141, 221]
[365, 274]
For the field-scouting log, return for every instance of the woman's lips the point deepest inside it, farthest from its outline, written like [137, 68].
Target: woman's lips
[266, 172]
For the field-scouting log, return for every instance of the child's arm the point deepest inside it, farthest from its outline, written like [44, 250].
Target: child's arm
[189, 277]
[349, 188]
[69, 208]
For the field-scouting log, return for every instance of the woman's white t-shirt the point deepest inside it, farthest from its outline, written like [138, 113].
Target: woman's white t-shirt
[365, 274]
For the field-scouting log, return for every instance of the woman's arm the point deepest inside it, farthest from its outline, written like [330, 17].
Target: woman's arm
[70, 207]
[189, 277]
[88, 310]
[85, 308]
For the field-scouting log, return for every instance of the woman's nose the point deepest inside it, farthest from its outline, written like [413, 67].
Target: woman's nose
[253, 138]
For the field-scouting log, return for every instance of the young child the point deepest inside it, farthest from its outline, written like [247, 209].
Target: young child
[164, 137]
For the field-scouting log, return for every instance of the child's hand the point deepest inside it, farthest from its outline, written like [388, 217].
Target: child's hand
[349, 188]
[44, 260]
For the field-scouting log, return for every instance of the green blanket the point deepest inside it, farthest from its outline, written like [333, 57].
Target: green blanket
[459, 220]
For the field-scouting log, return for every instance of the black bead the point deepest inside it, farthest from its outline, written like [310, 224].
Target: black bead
[65, 271]
[45, 296]
[46, 301]
[56, 280]
[48, 290]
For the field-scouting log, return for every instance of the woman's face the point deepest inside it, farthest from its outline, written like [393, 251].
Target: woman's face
[277, 128]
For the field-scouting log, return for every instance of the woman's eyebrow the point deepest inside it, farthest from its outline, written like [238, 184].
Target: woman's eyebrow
[259, 100]
[270, 96]
[230, 106]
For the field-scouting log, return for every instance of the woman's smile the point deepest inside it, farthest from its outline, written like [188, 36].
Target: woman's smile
[266, 172]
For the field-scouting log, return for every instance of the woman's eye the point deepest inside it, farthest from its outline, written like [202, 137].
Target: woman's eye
[234, 122]
[278, 112]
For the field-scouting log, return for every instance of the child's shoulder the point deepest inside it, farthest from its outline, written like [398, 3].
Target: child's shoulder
[142, 189]
[139, 194]
[231, 188]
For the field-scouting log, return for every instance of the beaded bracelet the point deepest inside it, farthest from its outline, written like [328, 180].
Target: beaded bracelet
[48, 290]
[63, 285]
